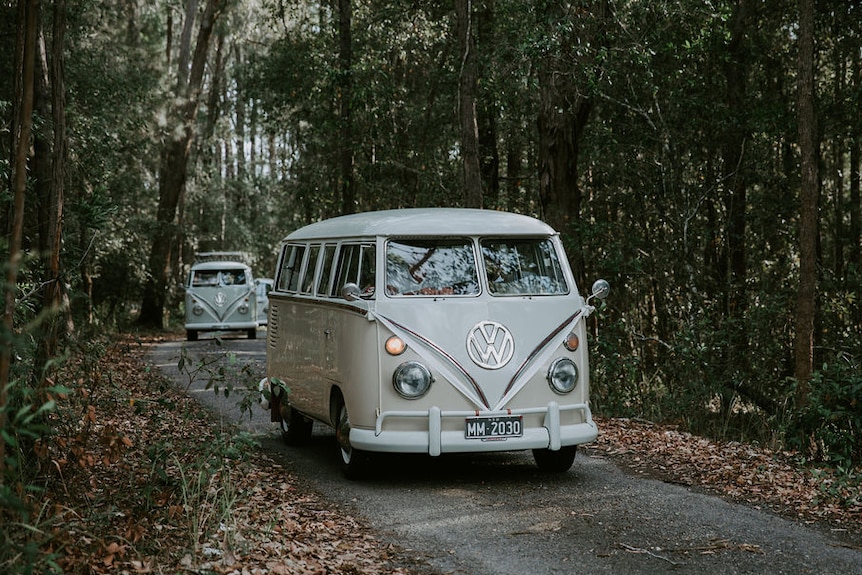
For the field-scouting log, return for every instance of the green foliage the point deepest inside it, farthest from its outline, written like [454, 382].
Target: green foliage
[829, 425]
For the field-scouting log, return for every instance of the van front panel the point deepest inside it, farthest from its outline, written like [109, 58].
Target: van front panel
[220, 296]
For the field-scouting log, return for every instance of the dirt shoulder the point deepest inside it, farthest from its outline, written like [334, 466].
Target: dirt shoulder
[142, 480]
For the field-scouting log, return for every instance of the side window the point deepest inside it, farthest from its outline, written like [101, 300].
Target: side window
[366, 272]
[288, 278]
[326, 271]
[356, 265]
[310, 268]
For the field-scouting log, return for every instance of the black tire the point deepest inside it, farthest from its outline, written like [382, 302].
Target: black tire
[354, 462]
[252, 333]
[191, 335]
[555, 461]
[295, 427]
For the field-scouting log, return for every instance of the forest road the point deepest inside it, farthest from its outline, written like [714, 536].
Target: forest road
[497, 515]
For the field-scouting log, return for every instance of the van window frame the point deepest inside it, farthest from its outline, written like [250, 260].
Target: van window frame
[366, 254]
[309, 271]
[289, 268]
[555, 250]
[327, 269]
[478, 269]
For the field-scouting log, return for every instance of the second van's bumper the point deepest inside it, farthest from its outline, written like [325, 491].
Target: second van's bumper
[434, 441]
[216, 326]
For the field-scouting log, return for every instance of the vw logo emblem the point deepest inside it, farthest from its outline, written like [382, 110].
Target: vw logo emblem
[220, 299]
[490, 345]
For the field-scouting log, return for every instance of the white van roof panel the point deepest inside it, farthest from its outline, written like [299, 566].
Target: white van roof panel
[423, 222]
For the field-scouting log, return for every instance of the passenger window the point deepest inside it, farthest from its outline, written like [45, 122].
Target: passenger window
[326, 272]
[308, 278]
[356, 264]
[288, 279]
[523, 267]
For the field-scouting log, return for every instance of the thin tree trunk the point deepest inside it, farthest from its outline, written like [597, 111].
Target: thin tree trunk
[55, 300]
[805, 304]
[25, 63]
[855, 227]
[487, 111]
[467, 105]
[172, 176]
[345, 64]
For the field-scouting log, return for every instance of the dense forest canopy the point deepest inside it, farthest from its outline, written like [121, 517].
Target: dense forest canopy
[702, 156]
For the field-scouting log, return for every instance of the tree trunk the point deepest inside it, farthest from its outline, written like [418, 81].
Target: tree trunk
[25, 63]
[55, 301]
[172, 176]
[808, 222]
[487, 110]
[345, 112]
[467, 105]
[855, 226]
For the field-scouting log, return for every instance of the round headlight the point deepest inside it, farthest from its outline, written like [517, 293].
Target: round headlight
[412, 380]
[197, 310]
[243, 309]
[563, 375]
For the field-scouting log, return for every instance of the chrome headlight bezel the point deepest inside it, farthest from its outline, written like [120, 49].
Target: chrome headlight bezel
[563, 376]
[412, 380]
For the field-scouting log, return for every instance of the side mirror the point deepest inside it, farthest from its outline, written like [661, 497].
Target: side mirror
[351, 292]
[601, 289]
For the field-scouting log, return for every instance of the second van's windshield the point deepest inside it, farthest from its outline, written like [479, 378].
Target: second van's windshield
[218, 278]
[447, 267]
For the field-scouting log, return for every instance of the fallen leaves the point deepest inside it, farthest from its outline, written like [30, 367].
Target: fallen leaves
[125, 505]
[758, 476]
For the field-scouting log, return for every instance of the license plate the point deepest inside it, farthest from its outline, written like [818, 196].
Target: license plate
[499, 427]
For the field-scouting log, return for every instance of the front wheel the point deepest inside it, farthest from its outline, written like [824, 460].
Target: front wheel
[191, 335]
[354, 462]
[555, 461]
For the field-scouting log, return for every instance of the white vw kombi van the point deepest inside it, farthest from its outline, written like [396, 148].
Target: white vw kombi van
[430, 331]
[220, 295]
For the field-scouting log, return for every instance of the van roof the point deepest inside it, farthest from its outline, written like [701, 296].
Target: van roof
[424, 222]
[220, 265]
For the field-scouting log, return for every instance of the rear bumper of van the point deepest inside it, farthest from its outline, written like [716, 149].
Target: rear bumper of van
[553, 435]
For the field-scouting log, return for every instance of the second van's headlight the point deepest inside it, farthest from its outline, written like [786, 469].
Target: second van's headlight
[563, 375]
[412, 380]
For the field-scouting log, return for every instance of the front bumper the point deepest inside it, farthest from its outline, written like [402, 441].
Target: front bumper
[216, 326]
[434, 441]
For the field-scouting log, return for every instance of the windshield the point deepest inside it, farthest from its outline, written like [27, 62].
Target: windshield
[218, 278]
[431, 267]
[522, 267]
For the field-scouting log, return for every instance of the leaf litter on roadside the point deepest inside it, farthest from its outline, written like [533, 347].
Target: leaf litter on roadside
[138, 485]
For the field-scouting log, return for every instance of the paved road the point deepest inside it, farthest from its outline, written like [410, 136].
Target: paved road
[496, 515]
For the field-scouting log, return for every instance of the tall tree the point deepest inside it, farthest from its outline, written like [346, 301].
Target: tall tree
[808, 220]
[25, 65]
[55, 300]
[467, 88]
[172, 174]
[345, 103]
